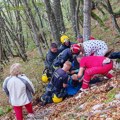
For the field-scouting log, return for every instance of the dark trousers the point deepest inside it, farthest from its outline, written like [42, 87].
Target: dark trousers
[114, 55]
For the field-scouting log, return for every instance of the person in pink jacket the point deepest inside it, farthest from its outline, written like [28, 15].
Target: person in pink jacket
[92, 65]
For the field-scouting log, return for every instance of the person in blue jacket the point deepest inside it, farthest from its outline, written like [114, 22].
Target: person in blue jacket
[57, 85]
[51, 55]
[67, 54]
[66, 43]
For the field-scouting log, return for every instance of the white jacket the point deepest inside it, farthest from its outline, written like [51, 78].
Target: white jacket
[19, 89]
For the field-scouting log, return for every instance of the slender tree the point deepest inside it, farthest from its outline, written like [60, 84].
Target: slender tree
[58, 16]
[87, 20]
[52, 21]
[34, 27]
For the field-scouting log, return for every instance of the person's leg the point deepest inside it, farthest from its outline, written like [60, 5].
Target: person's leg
[18, 112]
[29, 107]
[114, 55]
[89, 73]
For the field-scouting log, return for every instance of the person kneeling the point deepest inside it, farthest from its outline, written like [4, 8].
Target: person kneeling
[56, 89]
[92, 65]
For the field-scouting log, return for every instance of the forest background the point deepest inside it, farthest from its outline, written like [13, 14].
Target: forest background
[27, 27]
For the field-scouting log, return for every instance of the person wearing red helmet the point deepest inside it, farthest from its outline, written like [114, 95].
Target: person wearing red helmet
[67, 54]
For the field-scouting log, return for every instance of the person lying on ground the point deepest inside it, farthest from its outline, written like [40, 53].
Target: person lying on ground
[92, 65]
[19, 90]
[73, 85]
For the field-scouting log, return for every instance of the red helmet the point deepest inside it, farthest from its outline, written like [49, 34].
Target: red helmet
[75, 48]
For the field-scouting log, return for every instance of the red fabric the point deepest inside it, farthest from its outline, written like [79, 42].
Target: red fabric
[94, 65]
[18, 111]
[75, 48]
[91, 61]
[92, 38]
[90, 72]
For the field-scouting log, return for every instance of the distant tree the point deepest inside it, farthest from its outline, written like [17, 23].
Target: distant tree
[87, 20]
[52, 22]
[113, 16]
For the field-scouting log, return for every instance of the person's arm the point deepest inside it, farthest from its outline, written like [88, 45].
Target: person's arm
[65, 81]
[80, 73]
[49, 60]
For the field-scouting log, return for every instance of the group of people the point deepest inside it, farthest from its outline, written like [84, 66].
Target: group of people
[72, 66]
[70, 69]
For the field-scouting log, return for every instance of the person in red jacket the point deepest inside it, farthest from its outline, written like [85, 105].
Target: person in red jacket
[92, 65]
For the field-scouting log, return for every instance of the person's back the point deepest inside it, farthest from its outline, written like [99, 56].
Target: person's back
[57, 84]
[59, 77]
[96, 47]
[67, 54]
[62, 57]
[92, 61]
[19, 89]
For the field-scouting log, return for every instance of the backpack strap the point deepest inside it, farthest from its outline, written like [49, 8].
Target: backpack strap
[5, 87]
[27, 84]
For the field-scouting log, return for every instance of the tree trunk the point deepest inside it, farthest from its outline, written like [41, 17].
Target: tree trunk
[114, 21]
[77, 18]
[34, 27]
[52, 21]
[73, 17]
[42, 33]
[58, 16]
[87, 20]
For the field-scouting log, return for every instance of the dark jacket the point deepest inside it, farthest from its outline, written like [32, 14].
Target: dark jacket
[50, 58]
[114, 55]
[62, 57]
[63, 47]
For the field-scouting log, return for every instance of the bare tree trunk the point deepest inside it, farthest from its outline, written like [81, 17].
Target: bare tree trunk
[52, 21]
[42, 33]
[73, 17]
[77, 18]
[34, 27]
[114, 21]
[58, 16]
[87, 20]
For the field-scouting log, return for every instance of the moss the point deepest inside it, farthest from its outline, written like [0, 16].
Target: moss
[110, 96]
